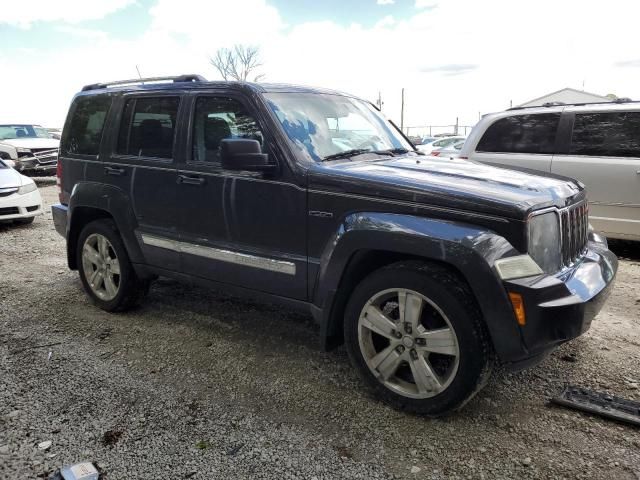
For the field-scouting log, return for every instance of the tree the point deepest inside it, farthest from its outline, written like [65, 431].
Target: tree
[238, 63]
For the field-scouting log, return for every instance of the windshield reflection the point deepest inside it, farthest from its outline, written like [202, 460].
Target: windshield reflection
[321, 125]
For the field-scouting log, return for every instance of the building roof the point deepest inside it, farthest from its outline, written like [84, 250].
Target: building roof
[566, 95]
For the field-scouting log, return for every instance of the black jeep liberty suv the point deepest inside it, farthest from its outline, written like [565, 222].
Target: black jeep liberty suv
[430, 271]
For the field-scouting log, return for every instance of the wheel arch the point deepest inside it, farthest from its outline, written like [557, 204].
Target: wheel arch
[93, 201]
[366, 242]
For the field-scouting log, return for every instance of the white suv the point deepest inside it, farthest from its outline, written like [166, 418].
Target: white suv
[598, 144]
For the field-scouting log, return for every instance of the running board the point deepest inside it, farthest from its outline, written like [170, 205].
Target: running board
[599, 403]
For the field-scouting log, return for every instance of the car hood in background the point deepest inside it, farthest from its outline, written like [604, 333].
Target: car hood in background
[458, 184]
[32, 142]
[9, 178]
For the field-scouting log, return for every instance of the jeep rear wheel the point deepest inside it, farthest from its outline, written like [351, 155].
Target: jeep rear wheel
[105, 270]
[417, 339]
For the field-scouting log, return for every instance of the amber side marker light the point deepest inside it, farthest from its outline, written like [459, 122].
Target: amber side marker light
[518, 308]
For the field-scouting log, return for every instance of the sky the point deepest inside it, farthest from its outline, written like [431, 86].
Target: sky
[454, 58]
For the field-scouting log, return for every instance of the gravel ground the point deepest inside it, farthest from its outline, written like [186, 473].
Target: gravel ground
[197, 384]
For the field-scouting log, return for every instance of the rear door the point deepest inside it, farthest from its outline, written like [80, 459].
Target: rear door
[523, 141]
[603, 152]
[143, 166]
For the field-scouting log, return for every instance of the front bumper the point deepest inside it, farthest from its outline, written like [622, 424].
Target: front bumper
[16, 206]
[562, 307]
[46, 161]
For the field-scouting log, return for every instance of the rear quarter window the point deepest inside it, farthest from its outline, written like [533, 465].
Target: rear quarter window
[535, 133]
[84, 133]
[612, 134]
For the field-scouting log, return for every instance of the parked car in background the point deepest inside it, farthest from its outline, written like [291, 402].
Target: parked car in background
[428, 270]
[20, 200]
[426, 140]
[55, 133]
[439, 143]
[452, 151]
[37, 150]
[598, 144]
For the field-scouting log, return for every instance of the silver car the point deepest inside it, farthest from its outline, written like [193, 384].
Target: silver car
[598, 144]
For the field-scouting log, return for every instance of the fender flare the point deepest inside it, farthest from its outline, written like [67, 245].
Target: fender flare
[468, 249]
[113, 202]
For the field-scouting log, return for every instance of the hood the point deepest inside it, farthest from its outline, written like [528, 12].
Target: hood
[9, 178]
[450, 183]
[33, 142]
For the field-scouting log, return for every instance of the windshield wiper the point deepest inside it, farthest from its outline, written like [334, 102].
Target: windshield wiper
[346, 153]
[392, 151]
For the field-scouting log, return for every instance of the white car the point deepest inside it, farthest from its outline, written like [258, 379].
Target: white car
[20, 199]
[442, 142]
[597, 144]
[452, 151]
[37, 150]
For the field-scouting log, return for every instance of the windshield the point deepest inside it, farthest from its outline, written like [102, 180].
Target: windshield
[321, 125]
[9, 132]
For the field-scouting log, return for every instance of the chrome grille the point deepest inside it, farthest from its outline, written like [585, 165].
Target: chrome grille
[574, 228]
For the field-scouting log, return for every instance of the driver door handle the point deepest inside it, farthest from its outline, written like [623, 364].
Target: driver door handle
[190, 180]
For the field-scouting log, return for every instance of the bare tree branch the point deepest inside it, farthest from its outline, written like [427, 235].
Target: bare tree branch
[238, 63]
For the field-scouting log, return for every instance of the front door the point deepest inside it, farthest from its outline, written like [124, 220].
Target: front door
[241, 228]
[522, 141]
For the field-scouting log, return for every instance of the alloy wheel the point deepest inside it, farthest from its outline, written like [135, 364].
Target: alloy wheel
[408, 343]
[101, 267]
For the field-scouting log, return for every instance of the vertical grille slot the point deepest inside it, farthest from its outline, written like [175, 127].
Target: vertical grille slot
[574, 224]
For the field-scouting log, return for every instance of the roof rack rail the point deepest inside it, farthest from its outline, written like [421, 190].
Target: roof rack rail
[178, 78]
[561, 104]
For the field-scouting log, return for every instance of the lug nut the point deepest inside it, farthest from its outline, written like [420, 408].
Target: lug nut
[398, 334]
[421, 341]
[414, 354]
[407, 327]
[400, 349]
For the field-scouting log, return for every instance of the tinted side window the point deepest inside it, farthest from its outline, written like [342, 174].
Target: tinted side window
[521, 134]
[614, 134]
[215, 119]
[148, 127]
[84, 132]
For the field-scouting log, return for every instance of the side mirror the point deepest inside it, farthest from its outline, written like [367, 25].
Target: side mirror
[244, 154]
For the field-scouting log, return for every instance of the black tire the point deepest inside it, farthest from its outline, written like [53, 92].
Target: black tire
[130, 289]
[452, 295]
[25, 221]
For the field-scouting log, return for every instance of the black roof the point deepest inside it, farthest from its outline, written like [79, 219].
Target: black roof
[195, 82]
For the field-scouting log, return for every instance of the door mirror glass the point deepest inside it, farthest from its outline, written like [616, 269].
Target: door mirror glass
[244, 154]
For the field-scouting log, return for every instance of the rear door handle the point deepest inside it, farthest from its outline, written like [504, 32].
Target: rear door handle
[190, 180]
[114, 171]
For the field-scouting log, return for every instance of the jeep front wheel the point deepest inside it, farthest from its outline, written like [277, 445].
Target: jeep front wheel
[416, 337]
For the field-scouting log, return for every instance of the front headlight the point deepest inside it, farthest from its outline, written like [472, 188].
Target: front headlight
[23, 150]
[544, 241]
[28, 188]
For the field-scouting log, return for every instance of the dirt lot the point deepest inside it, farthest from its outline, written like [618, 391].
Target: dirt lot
[196, 384]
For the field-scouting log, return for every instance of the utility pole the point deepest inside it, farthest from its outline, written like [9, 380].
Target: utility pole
[456, 130]
[402, 112]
